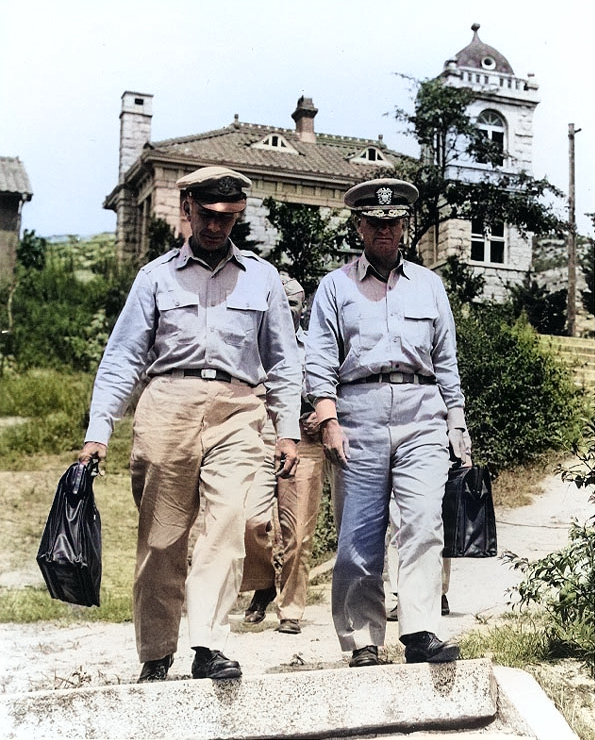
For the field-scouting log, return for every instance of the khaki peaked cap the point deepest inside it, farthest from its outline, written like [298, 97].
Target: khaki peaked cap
[385, 197]
[217, 188]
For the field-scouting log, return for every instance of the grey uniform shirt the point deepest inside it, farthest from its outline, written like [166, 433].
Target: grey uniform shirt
[181, 315]
[360, 325]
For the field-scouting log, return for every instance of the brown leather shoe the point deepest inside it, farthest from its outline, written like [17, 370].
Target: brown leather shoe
[364, 656]
[156, 670]
[257, 610]
[289, 626]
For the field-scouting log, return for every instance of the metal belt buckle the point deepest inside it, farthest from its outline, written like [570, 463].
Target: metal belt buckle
[396, 378]
[208, 373]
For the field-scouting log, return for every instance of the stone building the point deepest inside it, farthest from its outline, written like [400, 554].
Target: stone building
[503, 109]
[15, 189]
[296, 165]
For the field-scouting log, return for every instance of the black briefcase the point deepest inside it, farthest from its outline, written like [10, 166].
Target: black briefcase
[468, 514]
[69, 554]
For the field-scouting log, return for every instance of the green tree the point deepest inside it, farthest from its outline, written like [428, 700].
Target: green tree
[161, 237]
[448, 139]
[545, 311]
[588, 267]
[306, 241]
[462, 284]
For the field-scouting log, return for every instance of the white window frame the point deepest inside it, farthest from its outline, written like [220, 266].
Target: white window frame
[489, 242]
[493, 124]
[275, 142]
[371, 155]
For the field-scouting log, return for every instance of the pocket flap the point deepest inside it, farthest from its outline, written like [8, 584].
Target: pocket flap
[171, 299]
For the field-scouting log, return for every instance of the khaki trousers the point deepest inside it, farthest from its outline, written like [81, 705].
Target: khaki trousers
[298, 501]
[259, 571]
[194, 440]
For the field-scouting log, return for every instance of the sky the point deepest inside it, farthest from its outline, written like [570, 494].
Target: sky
[64, 65]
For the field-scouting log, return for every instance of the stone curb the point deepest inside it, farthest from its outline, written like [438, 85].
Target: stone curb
[308, 704]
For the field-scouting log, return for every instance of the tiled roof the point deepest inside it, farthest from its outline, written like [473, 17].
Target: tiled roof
[13, 177]
[329, 156]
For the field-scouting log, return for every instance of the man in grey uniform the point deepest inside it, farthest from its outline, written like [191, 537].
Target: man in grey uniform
[381, 370]
[206, 323]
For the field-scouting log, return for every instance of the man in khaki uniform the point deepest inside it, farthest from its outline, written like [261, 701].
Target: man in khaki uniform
[298, 501]
[206, 324]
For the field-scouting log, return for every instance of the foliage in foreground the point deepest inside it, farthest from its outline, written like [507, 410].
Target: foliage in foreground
[521, 641]
[563, 582]
[520, 398]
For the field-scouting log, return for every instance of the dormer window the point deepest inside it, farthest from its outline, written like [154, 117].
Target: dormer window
[275, 142]
[488, 63]
[371, 154]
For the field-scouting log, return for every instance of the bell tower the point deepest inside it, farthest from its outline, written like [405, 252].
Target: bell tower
[503, 109]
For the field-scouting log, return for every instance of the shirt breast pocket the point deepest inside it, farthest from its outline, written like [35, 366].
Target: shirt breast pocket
[418, 327]
[178, 316]
[244, 313]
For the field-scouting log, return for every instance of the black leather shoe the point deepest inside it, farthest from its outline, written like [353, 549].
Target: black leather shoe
[213, 664]
[425, 647]
[289, 626]
[392, 615]
[444, 606]
[257, 610]
[364, 656]
[156, 670]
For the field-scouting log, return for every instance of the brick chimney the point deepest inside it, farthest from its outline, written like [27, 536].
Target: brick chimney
[135, 128]
[303, 116]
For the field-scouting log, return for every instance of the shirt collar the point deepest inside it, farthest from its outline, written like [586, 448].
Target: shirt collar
[364, 267]
[186, 255]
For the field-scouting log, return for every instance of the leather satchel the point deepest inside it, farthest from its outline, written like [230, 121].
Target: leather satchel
[69, 554]
[468, 514]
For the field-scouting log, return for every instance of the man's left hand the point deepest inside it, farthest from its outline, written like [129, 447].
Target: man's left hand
[286, 458]
[460, 446]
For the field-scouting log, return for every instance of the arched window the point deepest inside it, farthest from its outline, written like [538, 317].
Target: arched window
[493, 127]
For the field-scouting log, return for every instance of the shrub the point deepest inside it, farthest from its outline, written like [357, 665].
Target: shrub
[520, 399]
[59, 313]
[563, 582]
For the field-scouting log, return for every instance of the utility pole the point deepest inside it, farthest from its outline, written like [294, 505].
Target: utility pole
[571, 307]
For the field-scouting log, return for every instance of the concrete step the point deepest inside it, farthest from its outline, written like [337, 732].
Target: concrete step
[319, 703]
[471, 699]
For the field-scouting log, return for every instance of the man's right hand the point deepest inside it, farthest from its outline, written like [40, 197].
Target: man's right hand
[92, 451]
[334, 442]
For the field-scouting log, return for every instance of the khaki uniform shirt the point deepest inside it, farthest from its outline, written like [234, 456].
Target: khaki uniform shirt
[181, 315]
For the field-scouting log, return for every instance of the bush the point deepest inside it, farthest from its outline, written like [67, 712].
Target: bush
[520, 399]
[563, 582]
[60, 313]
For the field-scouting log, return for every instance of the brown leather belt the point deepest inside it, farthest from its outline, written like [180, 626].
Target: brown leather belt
[395, 377]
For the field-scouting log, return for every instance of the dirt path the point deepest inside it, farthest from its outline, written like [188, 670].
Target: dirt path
[44, 656]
